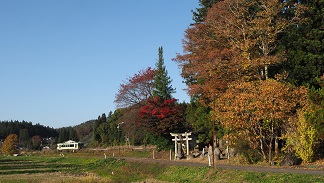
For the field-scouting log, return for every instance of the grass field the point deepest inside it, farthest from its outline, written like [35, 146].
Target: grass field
[40, 168]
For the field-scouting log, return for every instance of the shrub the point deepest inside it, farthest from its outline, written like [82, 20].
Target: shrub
[249, 154]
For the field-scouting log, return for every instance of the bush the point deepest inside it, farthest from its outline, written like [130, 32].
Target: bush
[161, 142]
[250, 155]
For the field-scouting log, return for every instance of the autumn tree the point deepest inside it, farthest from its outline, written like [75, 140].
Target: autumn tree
[252, 27]
[141, 90]
[266, 26]
[36, 141]
[301, 136]
[305, 133]
[132, 95]
[236, 41]
[257, 111]
[207, 63]
[162, 114]
[164, 117]
[9, 145]
[314, 121]
[136, 89]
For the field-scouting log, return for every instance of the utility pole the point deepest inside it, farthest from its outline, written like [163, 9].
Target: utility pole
[119, 133]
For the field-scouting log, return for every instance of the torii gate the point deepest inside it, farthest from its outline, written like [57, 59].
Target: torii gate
[178, 137]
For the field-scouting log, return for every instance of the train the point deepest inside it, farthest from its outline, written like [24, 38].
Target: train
[69, 145]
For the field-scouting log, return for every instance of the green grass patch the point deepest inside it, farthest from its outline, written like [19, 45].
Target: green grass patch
[114, 170]
[184, 174]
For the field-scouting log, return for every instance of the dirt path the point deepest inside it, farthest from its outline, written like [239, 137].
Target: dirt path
[253, 168]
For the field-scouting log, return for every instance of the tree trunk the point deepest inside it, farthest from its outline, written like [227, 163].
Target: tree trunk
[276, 146]
[270, 150]
[261, 145]
[270, 143]
[266, 71]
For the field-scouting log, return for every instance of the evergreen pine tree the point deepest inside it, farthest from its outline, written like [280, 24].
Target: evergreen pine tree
[162, 87]
[200, 14]
[304, 44]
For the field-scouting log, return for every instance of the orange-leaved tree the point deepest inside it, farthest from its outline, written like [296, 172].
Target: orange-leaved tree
[9, 145]
[208, 63]
[236, 40]
[257, 112]
[252, 27]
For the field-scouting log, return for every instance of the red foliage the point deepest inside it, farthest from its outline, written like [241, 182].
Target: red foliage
[158, 109]
[161, 116]
[136, 89]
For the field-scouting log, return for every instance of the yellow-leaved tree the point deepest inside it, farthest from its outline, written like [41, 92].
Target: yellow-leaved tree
[301, 137]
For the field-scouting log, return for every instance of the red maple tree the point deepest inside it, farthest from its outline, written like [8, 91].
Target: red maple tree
[136, 89]
[162, 116]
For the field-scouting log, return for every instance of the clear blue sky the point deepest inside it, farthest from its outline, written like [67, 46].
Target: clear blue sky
[62, 61]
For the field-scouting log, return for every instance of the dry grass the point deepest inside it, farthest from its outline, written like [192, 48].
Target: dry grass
[51, 178]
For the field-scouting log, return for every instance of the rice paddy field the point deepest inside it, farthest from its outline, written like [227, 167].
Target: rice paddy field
[54, 168]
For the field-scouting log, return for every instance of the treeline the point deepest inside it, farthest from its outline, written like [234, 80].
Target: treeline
[82, 132]
[29, 136]
[35, 137]
[25, 129]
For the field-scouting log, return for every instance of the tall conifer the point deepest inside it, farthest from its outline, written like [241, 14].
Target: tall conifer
[162, 87]
[200, 14]
[304, 45]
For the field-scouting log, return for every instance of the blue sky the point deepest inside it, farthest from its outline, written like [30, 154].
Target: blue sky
[62, 61]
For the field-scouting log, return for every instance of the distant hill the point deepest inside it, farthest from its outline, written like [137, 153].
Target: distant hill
[85, 131]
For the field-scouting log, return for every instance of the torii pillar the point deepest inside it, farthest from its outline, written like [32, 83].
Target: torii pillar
[176, 139]
[186, 135]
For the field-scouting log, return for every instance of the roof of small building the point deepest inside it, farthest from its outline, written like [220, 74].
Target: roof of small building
[68, 142]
